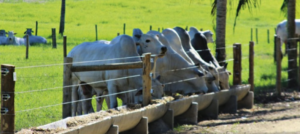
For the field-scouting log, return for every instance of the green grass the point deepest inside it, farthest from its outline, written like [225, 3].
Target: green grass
[81, 17]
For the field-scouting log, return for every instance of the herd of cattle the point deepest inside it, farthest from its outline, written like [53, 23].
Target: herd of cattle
[11, 39]
[185, 66]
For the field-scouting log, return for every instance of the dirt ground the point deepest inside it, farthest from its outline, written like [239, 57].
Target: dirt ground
[269, 115]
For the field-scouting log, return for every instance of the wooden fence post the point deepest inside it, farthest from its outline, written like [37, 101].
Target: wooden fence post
[118, 34]
[251, 65]
[158, 29]
[67, 91]
[237, 64]
[278, 66]
[65, 46]
[146, 79]
[8, 78]
[201, 29]
[275, 47]
[251, 36]
[186, 28]
[268, 36]
[96, 30]
[124, 28]
[150, 27]
[256, 30]
[27, 45]
[36, 28]
[53, 38]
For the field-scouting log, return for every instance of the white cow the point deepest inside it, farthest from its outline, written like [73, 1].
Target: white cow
[281, 31]
[208, 34]
[12, 40]
[200, 44]
[2, 33]
[173, 40]
[120, 47]
[178, 75]
[212, 84]
[34, 39]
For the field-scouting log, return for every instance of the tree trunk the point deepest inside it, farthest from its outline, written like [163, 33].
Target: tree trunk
[292, 55]
[221, 30]
[62, 17]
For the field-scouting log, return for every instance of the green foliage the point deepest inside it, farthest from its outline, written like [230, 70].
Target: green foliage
[81, 17]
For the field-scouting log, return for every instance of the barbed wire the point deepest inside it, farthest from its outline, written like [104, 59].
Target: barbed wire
[132, 76]
[77, 62]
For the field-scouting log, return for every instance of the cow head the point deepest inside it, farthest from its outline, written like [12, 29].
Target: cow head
[224, 77]
[149, 43]
[11, 36]
[28, 31]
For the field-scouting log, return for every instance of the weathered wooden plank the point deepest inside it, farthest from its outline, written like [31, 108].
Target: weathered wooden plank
[115, 66]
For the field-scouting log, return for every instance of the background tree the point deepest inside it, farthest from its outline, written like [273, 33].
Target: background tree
[292, 55]
[220, 7]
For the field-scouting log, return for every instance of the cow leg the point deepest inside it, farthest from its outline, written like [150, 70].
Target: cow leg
[74, 98]
[79, 105]
[113, 98]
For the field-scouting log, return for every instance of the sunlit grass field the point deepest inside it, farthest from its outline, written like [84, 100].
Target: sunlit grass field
[39, 78]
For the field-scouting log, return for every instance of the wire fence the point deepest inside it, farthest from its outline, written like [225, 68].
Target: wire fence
[50, 75]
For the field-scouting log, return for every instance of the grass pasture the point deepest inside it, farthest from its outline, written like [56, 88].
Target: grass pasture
[43, 70]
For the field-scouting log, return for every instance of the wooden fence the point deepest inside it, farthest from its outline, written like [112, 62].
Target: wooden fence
[8, 81]
[278, 55]
[69, 69]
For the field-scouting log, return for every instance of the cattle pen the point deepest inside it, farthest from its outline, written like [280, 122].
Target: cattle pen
[186, 110]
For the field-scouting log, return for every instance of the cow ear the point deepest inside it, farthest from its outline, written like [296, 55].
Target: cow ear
[137, 43]
[225, 65]
[140, 92]
[137, 36]
[158, 77]
[199, 73]
[229, 72]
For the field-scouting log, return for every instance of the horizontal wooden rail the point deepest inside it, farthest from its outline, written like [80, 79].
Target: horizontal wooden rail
[115, 66]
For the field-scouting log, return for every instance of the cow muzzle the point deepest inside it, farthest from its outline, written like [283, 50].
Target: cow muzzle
[163, 52]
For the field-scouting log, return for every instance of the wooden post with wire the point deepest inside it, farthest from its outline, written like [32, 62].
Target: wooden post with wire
[65, 46]
[146, 78]
[27, 45]
[67, 91]
[275, 47]
[251, 35]
[150, 27]
[96, 30]
[36, 28]
[237, 64]
[256, 30]
[299, 62]
[268, 36]
[8, 78]
[251, 65]
[124, 28]
[278, 66]
[53, 38]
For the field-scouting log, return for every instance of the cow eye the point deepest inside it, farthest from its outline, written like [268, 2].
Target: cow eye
[147, 41]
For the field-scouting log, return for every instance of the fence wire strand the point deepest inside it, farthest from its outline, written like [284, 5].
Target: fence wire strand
[75, 101]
